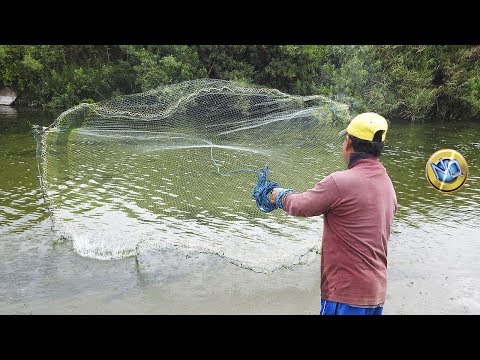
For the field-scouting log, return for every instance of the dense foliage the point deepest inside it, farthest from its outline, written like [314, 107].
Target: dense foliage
[407, 82]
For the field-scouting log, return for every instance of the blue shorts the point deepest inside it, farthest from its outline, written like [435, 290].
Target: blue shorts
[336, 308]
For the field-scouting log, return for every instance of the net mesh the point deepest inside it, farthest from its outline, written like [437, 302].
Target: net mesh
[174, 167]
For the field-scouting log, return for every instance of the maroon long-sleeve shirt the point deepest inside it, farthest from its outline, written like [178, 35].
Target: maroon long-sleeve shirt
[358, 205]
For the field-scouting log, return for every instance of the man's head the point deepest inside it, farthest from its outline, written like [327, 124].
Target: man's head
[365, 133]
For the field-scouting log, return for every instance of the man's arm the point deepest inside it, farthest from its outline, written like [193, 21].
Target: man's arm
[313, 202]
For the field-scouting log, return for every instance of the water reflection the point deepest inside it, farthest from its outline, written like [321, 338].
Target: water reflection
[433, 251]
[406, 154]
[113, 200]
[115, 195]
[7, 111]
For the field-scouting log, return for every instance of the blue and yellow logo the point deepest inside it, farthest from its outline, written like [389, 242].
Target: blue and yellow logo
[447, 170]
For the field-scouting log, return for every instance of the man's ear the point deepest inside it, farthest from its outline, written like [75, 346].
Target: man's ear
[348, 145]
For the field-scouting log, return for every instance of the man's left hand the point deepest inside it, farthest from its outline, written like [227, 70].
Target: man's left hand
[272, 195]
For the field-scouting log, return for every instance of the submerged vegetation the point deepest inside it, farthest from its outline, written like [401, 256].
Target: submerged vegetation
[404, 82]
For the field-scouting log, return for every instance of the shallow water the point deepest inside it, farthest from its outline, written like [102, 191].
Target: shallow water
[433, 251]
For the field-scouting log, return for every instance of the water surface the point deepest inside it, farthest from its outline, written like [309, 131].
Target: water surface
[433, 251]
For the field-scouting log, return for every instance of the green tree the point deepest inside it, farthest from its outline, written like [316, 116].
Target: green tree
[158, 65]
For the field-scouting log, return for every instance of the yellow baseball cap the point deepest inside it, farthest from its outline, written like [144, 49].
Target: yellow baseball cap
[365, 125]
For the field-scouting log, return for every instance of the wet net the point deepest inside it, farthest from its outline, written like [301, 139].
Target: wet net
[174, 168]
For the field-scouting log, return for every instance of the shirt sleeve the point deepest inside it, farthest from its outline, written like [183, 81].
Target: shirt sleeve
[313, 202]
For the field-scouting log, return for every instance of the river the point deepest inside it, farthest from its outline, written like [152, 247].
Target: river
[433, 251]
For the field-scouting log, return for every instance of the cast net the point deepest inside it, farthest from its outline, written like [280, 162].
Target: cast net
[174, 167]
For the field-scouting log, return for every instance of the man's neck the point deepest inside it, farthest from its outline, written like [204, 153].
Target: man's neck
[355, 156]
